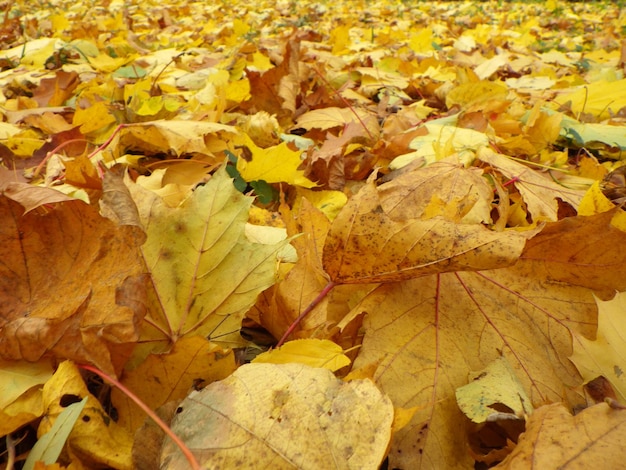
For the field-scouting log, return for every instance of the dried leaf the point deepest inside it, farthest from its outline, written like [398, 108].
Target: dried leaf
[206, 273]
[605, 355]
[283, 416]
[556, 439]
[414, 226]
[72, 285]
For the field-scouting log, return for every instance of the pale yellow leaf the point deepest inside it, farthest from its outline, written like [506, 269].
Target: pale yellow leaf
[606, 354]
[283, 416]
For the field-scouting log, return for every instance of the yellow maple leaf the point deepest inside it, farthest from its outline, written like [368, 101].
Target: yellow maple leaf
[277, 164]
[205, 271]
[605, 355]
[311, 352]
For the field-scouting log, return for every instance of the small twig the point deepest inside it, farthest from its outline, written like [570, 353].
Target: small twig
[306, 311]
[183, 447]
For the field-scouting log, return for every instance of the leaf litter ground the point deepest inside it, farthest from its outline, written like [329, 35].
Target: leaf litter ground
[452, 169]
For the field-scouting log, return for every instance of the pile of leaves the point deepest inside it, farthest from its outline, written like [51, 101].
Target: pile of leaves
[415, 206]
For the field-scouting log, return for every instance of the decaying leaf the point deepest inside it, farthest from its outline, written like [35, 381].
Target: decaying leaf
[423, 222]
[426, 334]
[283, 416]
[556, 439]
[72, 285]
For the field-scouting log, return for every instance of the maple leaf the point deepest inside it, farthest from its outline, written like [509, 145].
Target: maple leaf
[410, 227]
[297, 416]
[426, 334]
[554, 438]
[72, 254]
[604, 355]
[205, 272]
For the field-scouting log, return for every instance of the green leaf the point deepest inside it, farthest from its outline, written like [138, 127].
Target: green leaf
[48, 448]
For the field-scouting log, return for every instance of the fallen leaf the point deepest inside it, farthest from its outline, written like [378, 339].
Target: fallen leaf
[205, 272]
[426, 334]
[493, 389]
[162, 378]
[311, 352]
[605, 354]
[181, 137]
[96, 440]
[539, 193]
[18, 377]
[274, 164]
[578, 251]
[406, 228]
[283, 416]
[556, 439]
[49, 446]
[90, 267]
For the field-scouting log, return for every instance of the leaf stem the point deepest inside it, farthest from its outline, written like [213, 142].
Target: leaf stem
[306, 311]
[183, 447]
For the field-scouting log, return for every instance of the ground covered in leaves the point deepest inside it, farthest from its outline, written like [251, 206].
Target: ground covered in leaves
[419, 203]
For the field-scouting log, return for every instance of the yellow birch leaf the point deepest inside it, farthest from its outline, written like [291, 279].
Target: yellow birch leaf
[283, 416]
[605, 355]
[274, 164]
[311, 352]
